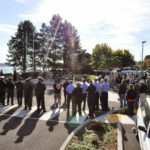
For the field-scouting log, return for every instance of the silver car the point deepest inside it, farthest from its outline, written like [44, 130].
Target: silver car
[143, 124]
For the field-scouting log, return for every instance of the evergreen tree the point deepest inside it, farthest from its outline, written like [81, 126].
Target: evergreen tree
[20, 46]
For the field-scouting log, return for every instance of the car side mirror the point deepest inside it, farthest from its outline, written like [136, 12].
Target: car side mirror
[142, 128]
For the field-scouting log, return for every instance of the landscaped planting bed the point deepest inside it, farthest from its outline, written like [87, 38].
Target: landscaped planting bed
[96, 135]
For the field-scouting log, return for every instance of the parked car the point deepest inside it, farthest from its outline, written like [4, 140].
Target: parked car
[143, 124]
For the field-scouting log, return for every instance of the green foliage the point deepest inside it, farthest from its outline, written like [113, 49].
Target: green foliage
[92, 77]
[104, 57]
[123, 58]
[96, 135]
[101, 56]
[17, 46]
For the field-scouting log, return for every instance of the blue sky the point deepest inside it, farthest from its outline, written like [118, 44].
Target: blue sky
[121, 24]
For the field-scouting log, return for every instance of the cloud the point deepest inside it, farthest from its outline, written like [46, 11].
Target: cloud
[3, 52]
[113, 22]
[21, 1]
[9, 29]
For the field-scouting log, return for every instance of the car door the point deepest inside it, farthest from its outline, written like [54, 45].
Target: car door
[143, 119]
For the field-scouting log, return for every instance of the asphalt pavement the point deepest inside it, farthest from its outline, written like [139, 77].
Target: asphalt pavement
[29, 130]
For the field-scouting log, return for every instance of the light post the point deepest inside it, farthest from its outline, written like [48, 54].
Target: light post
[142, 52]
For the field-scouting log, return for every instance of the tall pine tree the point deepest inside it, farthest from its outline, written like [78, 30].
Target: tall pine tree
[20, 46]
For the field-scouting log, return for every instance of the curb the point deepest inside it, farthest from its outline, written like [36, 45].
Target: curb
[120, 137]
[119, 131]
[73, 133]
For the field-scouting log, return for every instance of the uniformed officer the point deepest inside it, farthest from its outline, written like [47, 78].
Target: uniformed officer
[84, 87]
[76, 99]
[10, 91]
[91, 90]
[69, 90]
[105, 88]
[2, 90]
[39, 92]
[28, 93]
[19, 88]
[66, 83]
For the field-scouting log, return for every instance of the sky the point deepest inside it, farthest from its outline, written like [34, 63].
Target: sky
[122, 24]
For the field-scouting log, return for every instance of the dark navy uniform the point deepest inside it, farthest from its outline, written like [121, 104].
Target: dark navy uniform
[19, 88]
[76, 99]
[39, 92]
[91, 99]
[66, 83]
[10, 92]
[28, 93]
[2, 91]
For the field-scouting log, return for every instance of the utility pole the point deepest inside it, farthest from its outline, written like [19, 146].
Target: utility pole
[142, 52]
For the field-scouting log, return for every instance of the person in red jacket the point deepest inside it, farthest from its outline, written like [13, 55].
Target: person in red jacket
[131, 97]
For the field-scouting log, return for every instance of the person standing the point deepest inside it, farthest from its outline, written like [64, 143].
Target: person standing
[105, 88]
[10, 91]
[76, 99]
[100, 90]
[84, 87]
[66, 83]
[143, 90]
[28, 93]
[137, 89]
[19, 88]
[96, 94]
[39, 92]
[69, 90]
[131, 96]
[2, 90]
[122, 93]
[57, 93]
[91, 90]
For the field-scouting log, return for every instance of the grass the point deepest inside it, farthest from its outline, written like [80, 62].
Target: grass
[79, 77]
[98, 136]
[92, 77]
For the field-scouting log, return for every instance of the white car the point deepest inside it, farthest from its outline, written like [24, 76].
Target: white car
[143, 124]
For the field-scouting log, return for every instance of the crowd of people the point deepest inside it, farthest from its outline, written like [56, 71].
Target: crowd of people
[79, 94]
[131, 90]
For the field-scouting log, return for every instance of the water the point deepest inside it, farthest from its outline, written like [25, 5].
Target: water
[6, 69]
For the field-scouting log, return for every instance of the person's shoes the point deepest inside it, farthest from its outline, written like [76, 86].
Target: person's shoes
[30, 108]
[25, 108]
[44, 111]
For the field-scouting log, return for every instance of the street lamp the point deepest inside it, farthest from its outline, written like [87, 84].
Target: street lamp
[142, 52]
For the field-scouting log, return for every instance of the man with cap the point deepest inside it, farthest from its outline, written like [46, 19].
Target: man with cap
[66, 83]
[28, 93]
[10, 91]
[2, 90]
[19, 88]
[39, 92]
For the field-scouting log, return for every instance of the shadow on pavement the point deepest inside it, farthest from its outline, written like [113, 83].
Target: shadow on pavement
[53, 123]
[3, 117]
[28, 127]
[69, 126]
